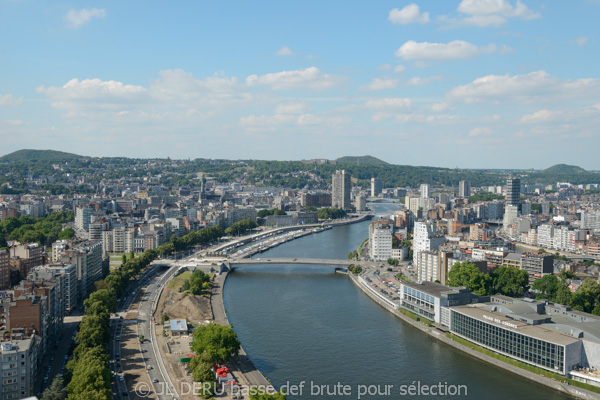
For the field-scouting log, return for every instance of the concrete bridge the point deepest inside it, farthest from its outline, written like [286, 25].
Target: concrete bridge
[240, 262]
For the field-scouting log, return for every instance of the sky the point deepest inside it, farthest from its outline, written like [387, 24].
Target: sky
[467, 84]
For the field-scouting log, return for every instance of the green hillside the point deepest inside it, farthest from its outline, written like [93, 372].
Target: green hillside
[38, 155]
[564, 169]
[361, 160]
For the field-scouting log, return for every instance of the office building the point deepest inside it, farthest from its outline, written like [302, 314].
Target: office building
[464, 189]
[340, 190]
[513, 191]
[376, 187]
[381, 241]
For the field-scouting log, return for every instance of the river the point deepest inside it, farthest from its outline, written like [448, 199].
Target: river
[306, 323]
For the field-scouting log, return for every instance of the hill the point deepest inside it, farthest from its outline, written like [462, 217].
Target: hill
[38, 155]
[563, 169]
[361, 160]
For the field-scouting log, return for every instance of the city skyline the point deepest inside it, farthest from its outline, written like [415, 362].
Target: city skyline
[468, 84]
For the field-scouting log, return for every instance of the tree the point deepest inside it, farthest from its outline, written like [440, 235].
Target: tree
[201, 368]
[467, 274]
[509, 281]
[55, 391]
[67, 233]
[260, 395]
[546, 287]
[123, 259]
[218, 341]
[131, 255]
[393, 261]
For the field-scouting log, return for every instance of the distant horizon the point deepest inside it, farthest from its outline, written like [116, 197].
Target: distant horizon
[473, 84]
[311, 158]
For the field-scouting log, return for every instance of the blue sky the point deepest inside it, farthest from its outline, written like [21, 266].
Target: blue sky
[469, 84]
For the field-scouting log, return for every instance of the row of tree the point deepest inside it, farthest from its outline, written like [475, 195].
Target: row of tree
[508, 281]
[269, 211]
[240, 227]
[45, 230]
[331, 213]
[87, 374]
[198, 282]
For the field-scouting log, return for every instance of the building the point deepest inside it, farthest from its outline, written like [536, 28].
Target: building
[464, 189]
[68, 276]
[178, 327]
[548, 336]
[19, 356]
[340, 190]
[83, 218]
[4, 269]
[536, 265]
[26, 256]
[376, 187]
[513, 191]
[360, 203]
[425, 237]
[510, 217]
[381, 241]
[87, 259]
[426, 299]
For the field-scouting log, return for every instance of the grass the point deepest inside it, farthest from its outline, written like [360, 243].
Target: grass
[522, 365]
[415, 317]
[177, 281]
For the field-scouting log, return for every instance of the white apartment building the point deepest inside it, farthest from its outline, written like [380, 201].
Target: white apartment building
[381, 243]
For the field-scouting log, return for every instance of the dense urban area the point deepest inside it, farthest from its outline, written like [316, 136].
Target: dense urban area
[506, 261]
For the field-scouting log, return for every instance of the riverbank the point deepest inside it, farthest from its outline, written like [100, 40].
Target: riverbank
[440, 335]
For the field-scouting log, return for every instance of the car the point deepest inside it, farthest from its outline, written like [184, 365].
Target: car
[125, 394]
[154, 380]
[144, 350]
[51, 358]
[117, 358]
[66, 356]
[121, 378]
[118, 337]
[149, 367]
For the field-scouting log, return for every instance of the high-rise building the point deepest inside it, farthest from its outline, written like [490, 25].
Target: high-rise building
[376, 187]
[464, 189]
[340, 190]
[513, 191]
[83, 218]
[425, 191]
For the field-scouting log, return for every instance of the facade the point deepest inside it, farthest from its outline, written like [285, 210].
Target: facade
[87, 259]
[26, 256]
[340, 190]
[513, 191]
[425, 238]
[536, 265]
[426, 299]
[4, 270]
[376, 187]
[83, 218]
[19, 355]
[360, 203]
[381, 242]
[464, 189]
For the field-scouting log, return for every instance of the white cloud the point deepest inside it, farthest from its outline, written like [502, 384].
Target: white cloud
[273, 122]
[308, 78]
[388, 103]
[497, 7]
[457, 49]
[407, 15]
[480, 131]
[528, 88]
[540, 116]
[581, 41]
[285, 51]
[9, 100]
[295, 107]
[483, 13]
[385, 67]
[437, 107]
[380, 84]
[418, 81]
[76, 18]
[399, 68]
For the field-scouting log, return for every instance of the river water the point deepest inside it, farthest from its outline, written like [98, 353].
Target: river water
[305, 323]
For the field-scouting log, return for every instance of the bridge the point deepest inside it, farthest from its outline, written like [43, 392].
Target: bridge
[240, 262]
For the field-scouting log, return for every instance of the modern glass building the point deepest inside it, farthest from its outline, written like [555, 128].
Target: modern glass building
[537, 344]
